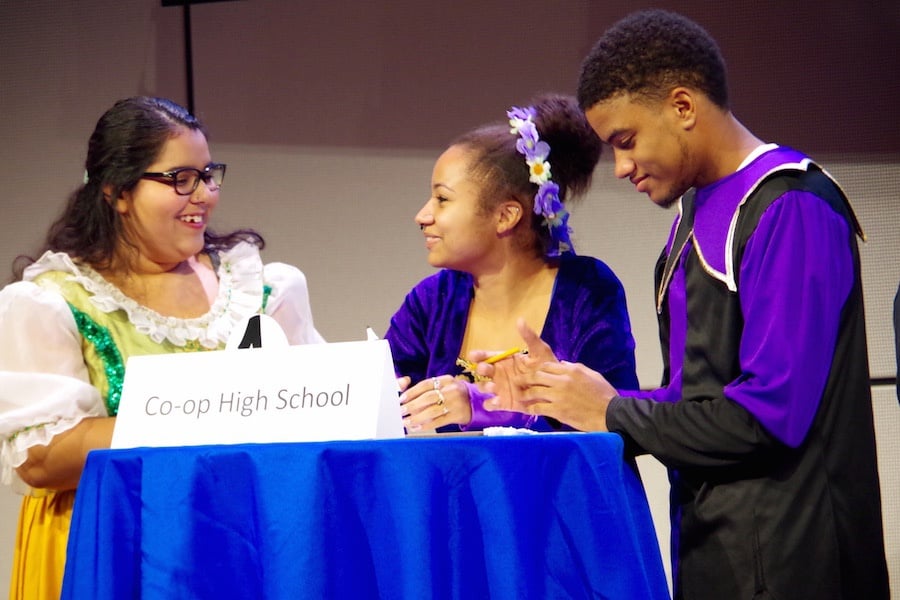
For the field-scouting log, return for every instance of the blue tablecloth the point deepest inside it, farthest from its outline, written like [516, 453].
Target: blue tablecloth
[518, 517]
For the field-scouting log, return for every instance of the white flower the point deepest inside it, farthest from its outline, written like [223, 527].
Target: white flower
[540, 171]
[515, 125]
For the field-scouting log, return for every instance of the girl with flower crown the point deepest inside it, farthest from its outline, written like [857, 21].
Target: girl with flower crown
[496, 225]
[130, 268]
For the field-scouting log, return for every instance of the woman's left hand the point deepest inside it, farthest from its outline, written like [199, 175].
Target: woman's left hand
[435, 402]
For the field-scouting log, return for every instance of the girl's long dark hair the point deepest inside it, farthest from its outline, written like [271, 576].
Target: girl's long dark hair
[126, 140]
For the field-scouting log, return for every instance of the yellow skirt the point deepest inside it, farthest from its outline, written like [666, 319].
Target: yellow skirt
[39, 558]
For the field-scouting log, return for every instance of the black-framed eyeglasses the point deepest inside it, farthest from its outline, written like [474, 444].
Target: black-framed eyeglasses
[186, 179]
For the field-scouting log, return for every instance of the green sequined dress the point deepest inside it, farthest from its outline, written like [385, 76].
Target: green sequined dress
[65, 337]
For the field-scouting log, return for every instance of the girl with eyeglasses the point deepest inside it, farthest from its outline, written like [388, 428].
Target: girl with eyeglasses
[130, 267]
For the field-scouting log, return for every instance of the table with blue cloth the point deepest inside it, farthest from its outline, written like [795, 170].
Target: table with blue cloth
[558, 515]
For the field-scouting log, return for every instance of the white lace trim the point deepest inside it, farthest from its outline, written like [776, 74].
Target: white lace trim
[240, 294]
[13, 452]
[35, 407]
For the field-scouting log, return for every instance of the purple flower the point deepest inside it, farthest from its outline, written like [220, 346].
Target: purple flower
[559, 234]
[546, 201]
[539, 151]
[521, 114]
[528, 139]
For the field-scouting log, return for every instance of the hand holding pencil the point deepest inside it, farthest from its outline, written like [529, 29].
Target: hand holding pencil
[505, 354]
[503, 377]
[470, 367]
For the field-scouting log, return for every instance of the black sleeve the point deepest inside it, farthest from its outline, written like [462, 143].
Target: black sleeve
[710, 433]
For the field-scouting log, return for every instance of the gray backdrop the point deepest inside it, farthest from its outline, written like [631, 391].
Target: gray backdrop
[330, 115]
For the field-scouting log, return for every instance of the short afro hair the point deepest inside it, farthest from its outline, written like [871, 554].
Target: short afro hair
[647, 54]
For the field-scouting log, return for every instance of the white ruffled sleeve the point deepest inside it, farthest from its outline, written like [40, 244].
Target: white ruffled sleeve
[289, 303]
[44, 385]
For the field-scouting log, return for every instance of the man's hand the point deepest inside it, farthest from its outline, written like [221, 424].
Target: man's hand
[506, 373]
[540, 384]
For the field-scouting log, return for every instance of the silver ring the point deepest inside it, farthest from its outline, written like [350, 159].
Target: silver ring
[436, 383]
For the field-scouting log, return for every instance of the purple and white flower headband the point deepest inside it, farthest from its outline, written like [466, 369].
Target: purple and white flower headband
[546, 200]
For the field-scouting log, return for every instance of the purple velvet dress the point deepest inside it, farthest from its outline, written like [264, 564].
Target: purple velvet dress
[587, 323]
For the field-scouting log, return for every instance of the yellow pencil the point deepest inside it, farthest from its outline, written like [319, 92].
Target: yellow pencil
[505, 354]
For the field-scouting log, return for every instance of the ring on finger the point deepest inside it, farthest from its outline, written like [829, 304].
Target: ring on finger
[436, 383]
[441, 399]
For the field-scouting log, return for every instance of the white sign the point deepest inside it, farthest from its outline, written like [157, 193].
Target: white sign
[315, 392]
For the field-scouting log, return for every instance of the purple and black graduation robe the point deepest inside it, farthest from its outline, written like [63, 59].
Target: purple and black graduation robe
[765, 417]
